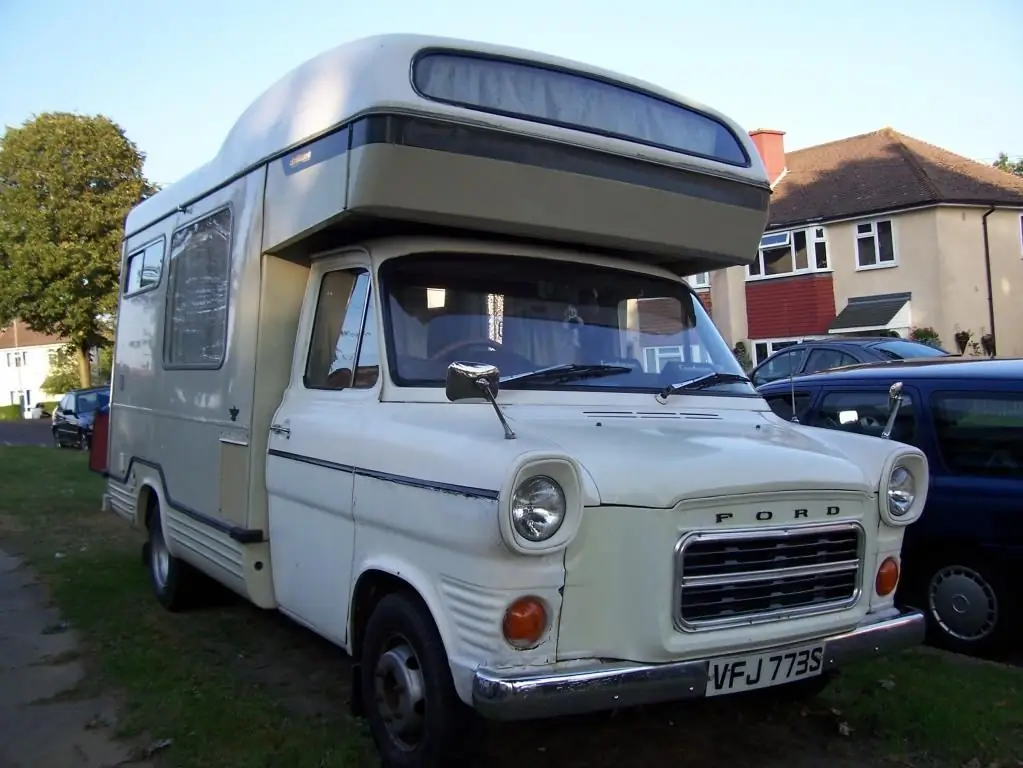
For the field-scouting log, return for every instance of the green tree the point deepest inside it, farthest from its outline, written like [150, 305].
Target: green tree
[1004, 163]
[66, 184]
[64, 374]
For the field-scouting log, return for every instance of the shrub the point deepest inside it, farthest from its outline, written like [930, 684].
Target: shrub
[10, 413]
[926, 335]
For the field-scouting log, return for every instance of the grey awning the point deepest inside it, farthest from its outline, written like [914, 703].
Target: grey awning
[869, 312]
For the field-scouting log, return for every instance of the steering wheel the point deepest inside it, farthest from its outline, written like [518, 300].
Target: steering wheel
[488, 344]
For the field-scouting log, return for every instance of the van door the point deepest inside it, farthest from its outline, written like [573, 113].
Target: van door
[314, 444]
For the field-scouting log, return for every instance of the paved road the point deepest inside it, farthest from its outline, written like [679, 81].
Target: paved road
[27, 432]
[41, 723]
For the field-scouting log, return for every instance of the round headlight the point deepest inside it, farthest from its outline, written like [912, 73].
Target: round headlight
[901, 491]
[538, 508]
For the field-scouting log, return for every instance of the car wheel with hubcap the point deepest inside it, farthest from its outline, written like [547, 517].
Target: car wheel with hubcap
[415, 716]
[173, 580]
[56, 439]
[968, 608]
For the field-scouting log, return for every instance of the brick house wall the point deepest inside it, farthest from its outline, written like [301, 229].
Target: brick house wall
[801, 305]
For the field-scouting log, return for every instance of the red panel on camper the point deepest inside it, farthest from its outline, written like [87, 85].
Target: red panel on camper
[98, 448]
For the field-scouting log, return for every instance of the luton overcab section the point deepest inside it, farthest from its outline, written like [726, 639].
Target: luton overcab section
[415, 361]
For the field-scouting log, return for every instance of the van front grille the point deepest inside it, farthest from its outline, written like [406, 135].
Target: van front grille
[737, 577]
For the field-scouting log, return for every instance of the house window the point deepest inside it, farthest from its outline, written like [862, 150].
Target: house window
[200, 270]
[764, 349]
[699, 280]
[790, 253]
[875, 244]
[655, 358]
[16, 359]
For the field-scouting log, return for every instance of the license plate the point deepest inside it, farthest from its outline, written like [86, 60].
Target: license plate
[745, 673]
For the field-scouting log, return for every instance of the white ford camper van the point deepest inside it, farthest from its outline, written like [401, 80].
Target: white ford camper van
[414, 361]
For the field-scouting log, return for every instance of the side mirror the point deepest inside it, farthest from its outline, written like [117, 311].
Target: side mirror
[470, 380]
[466, 381]
[894, 404]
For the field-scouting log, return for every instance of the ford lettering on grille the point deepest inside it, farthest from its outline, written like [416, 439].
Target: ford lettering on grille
[734, 577]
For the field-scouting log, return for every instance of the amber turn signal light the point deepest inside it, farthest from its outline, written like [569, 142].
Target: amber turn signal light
[887, 577]
[524, 623]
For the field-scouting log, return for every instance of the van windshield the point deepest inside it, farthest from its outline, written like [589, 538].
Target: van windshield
[523, 314]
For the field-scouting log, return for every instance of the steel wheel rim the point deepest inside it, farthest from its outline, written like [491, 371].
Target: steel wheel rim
[963, 603]
[400, 693]
[159, 558]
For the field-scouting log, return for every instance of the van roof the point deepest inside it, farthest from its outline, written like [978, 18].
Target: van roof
[372, 74]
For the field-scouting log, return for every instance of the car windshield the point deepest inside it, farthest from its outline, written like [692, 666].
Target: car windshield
[905, 350]
[87, 402]
[607, 329]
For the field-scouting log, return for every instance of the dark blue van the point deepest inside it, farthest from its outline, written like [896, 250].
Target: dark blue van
[963, 560]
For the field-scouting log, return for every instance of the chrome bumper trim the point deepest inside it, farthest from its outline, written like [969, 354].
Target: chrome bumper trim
[564, 689]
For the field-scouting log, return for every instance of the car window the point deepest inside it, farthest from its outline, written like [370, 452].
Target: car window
[823, 359]
[865, 413]
[980, 434]
[88, 402]
[781, 365]
[781, 404]
[903, 350]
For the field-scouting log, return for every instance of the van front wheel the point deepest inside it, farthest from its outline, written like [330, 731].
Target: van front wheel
[415, 716]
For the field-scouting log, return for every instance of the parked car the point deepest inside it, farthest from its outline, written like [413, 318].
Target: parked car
[962, 560]
[73, 417]
[813, 355]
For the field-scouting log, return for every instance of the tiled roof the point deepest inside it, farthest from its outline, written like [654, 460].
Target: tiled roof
[26, 337]
[881, 171]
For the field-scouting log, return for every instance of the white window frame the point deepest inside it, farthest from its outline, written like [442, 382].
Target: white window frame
[656, 355]
[17, 359]
[787, 341]
[699, 281]
[857, 236]
[814, 235]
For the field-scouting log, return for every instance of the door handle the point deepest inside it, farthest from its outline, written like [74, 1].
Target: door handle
[281, 429]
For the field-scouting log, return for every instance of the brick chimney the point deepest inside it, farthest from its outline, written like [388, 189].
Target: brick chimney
[771, 146]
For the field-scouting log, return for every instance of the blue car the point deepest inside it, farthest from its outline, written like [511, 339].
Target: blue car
[963, 560]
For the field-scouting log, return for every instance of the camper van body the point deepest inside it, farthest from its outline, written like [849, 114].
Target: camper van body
[536, 543]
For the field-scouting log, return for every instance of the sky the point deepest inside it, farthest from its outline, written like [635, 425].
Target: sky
[176, 75]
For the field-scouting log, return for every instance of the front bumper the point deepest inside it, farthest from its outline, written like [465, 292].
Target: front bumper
[564, 689]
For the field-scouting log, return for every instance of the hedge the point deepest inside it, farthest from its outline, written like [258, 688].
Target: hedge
[13, 412]
[10, 412]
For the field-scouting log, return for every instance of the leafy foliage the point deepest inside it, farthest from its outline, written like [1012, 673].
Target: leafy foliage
[1009, 166]
[926, 335]
[65, 376]
[66, 184]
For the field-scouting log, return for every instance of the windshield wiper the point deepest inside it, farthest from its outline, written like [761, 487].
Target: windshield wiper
[701, 382]
[567, 372]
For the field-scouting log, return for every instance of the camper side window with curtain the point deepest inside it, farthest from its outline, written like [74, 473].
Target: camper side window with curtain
[200, 275]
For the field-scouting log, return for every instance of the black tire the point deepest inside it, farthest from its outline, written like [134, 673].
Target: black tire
[402, 650]
[174, 581]
[969, 606]
[83, 441]
[56, 440]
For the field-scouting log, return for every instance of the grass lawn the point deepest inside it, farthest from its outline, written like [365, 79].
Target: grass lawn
[237, 687]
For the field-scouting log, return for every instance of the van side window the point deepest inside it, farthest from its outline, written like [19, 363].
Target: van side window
[342, 353]
[825, 359]
[143, 267]
[782, 404]
[866, 413]
[980, 434]
[200, 272]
